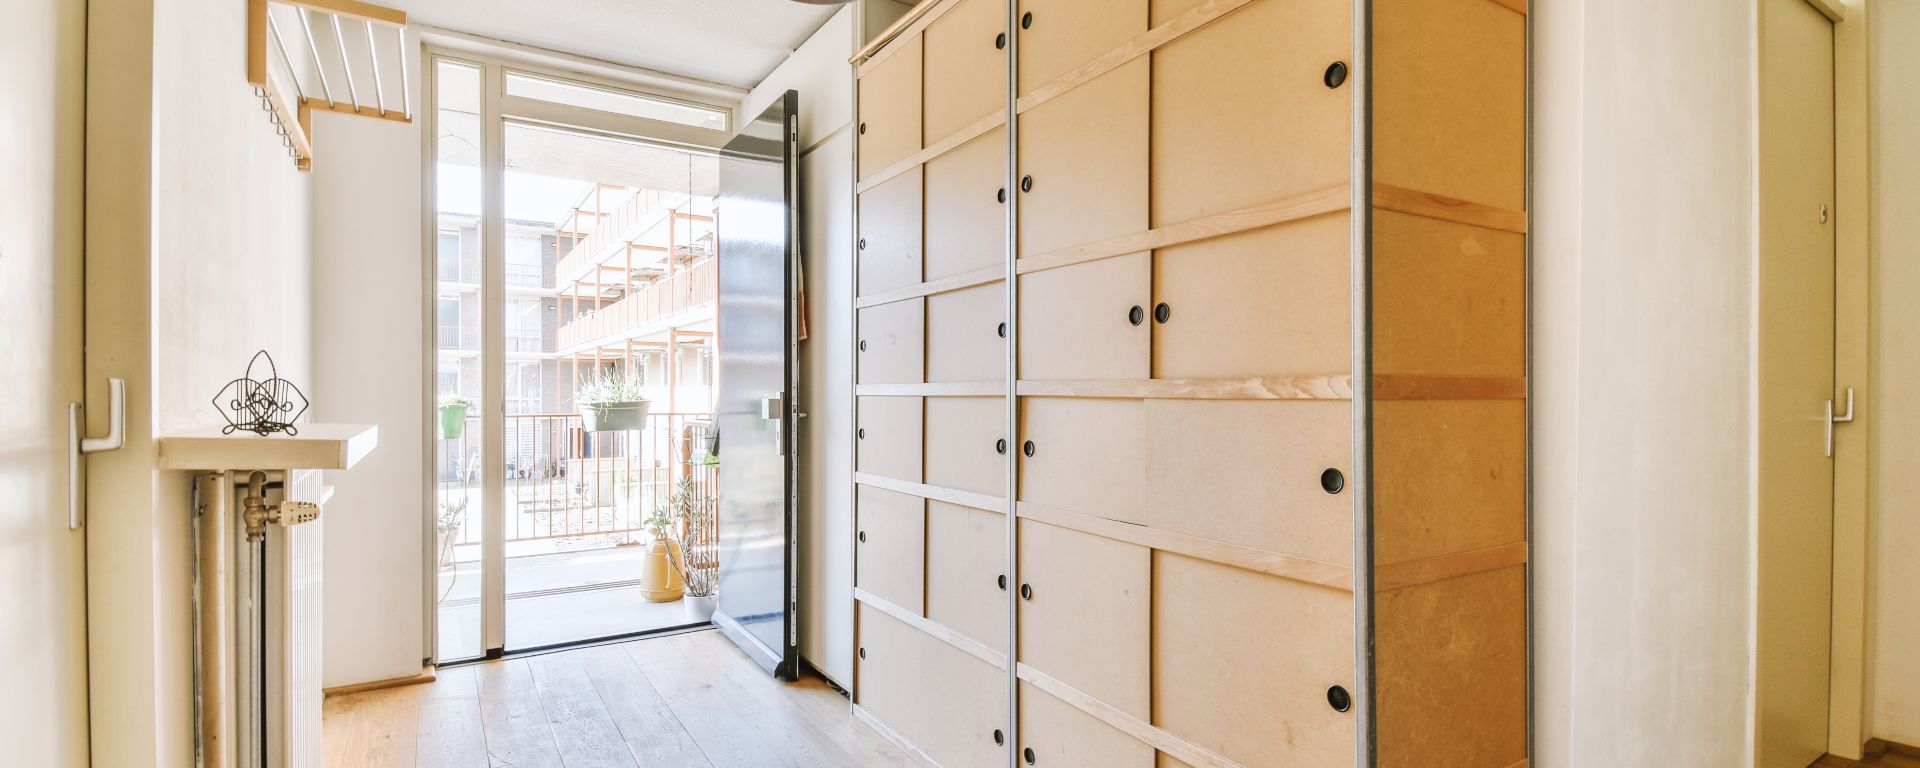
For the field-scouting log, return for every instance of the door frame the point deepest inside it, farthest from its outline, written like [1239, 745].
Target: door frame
[1847, 695]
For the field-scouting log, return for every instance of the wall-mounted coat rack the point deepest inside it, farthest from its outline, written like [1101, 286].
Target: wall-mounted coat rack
[333, 55]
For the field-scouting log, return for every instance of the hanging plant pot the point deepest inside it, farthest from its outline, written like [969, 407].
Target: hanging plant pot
[453, 420]
[610, 417]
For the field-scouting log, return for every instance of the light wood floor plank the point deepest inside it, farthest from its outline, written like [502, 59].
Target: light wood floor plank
[653, 734]
[820, 708]
[514, 722]
[727, 740]
[377, 728]
[582, 730]
[450, 733]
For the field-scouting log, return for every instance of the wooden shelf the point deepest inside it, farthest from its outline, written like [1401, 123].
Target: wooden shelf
[318, 446]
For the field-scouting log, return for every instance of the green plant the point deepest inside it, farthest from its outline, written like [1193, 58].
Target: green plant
[696, 563]
[455, 398]
[453, 512]
[612, 387]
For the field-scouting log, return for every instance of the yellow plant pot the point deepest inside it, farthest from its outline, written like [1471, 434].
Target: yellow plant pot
[659, 580]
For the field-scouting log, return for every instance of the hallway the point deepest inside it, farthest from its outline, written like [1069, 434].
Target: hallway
[688, 700]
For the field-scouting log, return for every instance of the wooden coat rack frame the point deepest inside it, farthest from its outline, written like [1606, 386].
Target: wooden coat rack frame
[295, 44]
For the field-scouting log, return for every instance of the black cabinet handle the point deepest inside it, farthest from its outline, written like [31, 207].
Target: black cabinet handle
[863, 345]
[1336, 74]
[1026, 22]
[1000, 41]
[998, 737]
[1332, 481]
[1028, 754]
[1027, 449]
[1003, 330]
[1002, 196]
[863, 243]
[1136, 315]
[1000, 447]
[1339, 699]
[860, 433]
[1026, 591]
[1162, 312]
[863, 653]
[863, 537]
[1003, 582]
[1026, 183]
[863, 129]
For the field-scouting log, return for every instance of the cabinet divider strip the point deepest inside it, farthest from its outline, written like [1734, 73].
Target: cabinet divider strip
[934, 389]
[1296, 568]
[1292, 208]
[982, 276]
[1429, 205]
[1141, 45]
[933, 629]
[967, 133]
[893, 737]
[1426, 570]
[1186, 751]
[937, 493]
[1305, 387]
[913, 23]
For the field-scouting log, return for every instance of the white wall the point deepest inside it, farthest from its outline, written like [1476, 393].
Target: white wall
[1894, 410]
[197, 256]
[1643, 370]
[368, 338]
[820, 73]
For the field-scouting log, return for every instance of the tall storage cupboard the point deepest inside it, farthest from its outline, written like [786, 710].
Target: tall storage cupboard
[1191, 386]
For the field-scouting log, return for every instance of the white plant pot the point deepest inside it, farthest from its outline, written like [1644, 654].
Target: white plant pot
[698, 608]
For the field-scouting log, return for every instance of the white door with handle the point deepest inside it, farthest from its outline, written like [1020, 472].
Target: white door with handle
[43, 608]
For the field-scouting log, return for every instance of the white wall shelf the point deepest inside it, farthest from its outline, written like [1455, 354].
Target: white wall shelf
[318, 446]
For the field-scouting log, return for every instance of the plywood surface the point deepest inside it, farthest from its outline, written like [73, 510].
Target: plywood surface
[1089, 456]
[966, 75]
[1085, 618]
[890, 546]
[963, 334]
[1449, 99]
[890, 250]
[966, 556]
[1242, 662]
[1075, 322]
[966, 224]
[1058, 732]
[1068, 33]
[1451, 666]
[1241, 114]
[1448, 299]
[1449, 476]
[889, 126]
[892, 346]
[962, 438]
[1249, 473]
[1086, 153]
[1267, 302]
[888, 433]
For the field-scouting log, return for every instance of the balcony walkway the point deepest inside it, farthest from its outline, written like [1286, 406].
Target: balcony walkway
[555, 598]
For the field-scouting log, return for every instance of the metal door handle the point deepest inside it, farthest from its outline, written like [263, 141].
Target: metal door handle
[1846, 418]
[80, 444]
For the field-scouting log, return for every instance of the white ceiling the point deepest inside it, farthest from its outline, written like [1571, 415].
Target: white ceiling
[735, 42]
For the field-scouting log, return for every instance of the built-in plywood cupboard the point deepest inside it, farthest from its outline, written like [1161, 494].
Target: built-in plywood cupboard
[1191, 385]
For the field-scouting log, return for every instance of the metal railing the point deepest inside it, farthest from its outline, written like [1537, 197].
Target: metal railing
[563, 482]
[696, 285]
[459, 337]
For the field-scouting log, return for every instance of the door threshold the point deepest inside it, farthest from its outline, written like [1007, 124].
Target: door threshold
[542, 650]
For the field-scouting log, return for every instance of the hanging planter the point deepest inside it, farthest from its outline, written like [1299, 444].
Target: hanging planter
[453, 416]
[613, 402]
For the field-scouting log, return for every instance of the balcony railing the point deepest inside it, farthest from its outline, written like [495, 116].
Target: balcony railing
[459, 337]
[697, 285]
[563, 482]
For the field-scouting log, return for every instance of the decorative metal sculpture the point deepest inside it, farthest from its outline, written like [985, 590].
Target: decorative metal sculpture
[261, 406]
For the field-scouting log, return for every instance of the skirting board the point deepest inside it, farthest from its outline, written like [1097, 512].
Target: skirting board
[426, 675]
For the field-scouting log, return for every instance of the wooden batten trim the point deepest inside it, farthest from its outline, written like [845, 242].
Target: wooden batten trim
[916, 20]
[1330, 575]
[1413, 202]
[934, 389]
[1413, 573]
[946, 284]
[425, 675]
[971, 499]
[1186, 751]
[968, 132]
[1145, 43]
[935, 629]
[893, 737]
[353, 9]
[1387, 386]
[1323, 387]
[1286, 209]
[1519, 7]
[394, 115]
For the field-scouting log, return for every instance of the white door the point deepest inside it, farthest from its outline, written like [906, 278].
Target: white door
[43, 641]
[1796, 347]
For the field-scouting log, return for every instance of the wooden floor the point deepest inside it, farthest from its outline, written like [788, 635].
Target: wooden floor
[686, 700]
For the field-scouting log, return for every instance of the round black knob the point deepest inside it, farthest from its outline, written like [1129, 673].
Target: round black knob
[1336, 74]
[1026, 183]
[1000, 42]
[863, 653]
[1002, 196]
[1136, 315]
[860, 433]
[1000, 447]
[1026, 22]
[863, 345]
[1003, 582]
[1027, 448]
[1003, 330]
[863, 243]
[1339, 699]
[1026, 591]
[998, 737]
[1028, 754]
[1161, 312]
[863, 129]
[1332, 481]
[863, 537]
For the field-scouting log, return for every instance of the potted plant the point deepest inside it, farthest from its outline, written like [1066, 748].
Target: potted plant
[697, 560]
[613, 401]
[453, 415]
[659, 577]
[453, 512]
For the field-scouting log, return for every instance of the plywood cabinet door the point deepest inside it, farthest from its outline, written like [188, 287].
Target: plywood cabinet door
[966, 561]
[893, 339]
[890, 547]
[1268, 302]
[968, 699]
[889, 243]
[1057, 36]
[1087, 456]
[966, 221]
[889, 681]
[1060, 734]
[887, 437]
[1242, 114]
[963, 444]
[1088, 321]
[1085, 613]
[889, 127]
[1083, 163]
[964, 341]
[1239, 657]
[1254, 473]
[966, 67]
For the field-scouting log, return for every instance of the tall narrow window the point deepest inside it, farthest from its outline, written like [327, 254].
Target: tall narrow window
[458, 523]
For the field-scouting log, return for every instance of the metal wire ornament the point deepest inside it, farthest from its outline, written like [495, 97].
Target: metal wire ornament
[261, 406]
